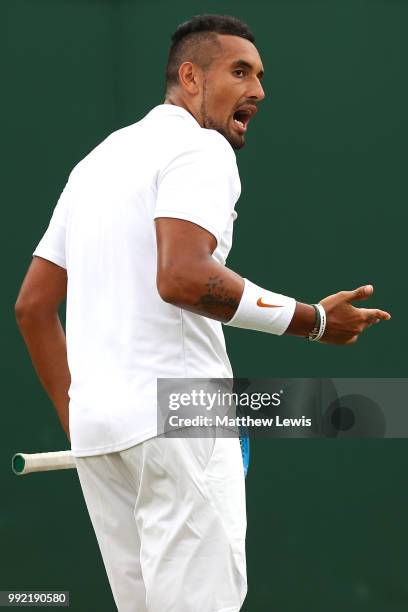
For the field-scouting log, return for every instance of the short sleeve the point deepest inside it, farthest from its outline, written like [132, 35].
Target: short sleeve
[200, 184]
[52, 244]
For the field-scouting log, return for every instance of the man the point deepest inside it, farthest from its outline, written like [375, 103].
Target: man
[142, 232]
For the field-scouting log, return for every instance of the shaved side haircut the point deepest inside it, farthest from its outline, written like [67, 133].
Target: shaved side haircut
[196, 41]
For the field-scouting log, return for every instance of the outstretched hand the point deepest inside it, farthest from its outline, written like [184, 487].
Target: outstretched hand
[346, 322]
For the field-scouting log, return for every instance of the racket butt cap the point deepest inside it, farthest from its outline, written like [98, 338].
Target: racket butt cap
[18, 464]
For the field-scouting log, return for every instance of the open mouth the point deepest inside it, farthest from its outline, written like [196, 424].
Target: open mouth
[242, 116]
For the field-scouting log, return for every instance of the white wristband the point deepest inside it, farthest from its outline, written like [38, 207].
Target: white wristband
[263, 310]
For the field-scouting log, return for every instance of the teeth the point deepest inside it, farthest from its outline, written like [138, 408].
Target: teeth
[239, 122]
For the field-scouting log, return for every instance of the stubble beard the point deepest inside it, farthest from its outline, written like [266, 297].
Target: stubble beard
[212, 124]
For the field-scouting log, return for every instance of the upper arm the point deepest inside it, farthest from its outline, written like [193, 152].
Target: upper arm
[181, 241]
[43, 289]
[181, 246]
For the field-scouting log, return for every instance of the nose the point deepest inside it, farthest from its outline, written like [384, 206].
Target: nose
[257, 91]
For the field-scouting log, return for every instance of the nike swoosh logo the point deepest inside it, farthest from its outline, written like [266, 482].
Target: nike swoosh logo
[263, 305]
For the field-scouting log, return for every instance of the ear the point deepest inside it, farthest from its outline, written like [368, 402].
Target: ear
[190, 76]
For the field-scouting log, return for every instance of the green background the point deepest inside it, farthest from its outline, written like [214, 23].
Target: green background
[323, 208]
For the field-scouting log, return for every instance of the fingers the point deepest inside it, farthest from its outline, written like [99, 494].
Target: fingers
[371, 316]
[382, 315]
[374, 315]
[362, 293]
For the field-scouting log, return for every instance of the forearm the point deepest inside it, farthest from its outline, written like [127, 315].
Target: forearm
[208, 289]
[46, 344]
[214, 291]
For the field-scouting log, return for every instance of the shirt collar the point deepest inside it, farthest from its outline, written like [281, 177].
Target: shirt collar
[175, 111]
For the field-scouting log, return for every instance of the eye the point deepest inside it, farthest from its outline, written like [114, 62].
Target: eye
[239, 73]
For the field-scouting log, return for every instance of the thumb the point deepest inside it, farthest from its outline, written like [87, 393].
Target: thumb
[362, 293]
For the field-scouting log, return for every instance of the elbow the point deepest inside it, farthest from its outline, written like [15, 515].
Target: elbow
[29, 311]
[20, 311]
[166, 293]
[23, 312]
[173, 287]
[167, 290]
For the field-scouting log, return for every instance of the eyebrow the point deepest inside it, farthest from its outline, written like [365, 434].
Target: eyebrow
[246, 64]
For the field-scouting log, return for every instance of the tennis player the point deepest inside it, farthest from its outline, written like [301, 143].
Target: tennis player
[137, 244]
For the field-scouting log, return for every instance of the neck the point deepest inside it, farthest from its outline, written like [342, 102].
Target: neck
[178, 100]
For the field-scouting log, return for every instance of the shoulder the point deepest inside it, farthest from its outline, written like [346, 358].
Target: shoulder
[215, 143]
[205, 146]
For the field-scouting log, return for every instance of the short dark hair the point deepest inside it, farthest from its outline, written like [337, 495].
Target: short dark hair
[190, 39]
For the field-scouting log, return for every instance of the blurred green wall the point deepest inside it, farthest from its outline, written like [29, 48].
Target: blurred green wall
[323, 208]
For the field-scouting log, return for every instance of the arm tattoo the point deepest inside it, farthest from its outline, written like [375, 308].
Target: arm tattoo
[216, 301]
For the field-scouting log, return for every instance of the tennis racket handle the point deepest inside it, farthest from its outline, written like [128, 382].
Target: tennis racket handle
[24, 463]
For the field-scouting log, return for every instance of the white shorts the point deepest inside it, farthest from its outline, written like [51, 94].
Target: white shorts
[169, 516]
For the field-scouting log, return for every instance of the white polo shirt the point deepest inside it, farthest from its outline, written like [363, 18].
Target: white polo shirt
[121, 336]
